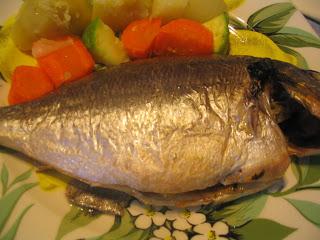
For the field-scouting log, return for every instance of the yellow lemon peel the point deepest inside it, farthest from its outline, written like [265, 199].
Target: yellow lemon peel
[51, 180]
[245, 42]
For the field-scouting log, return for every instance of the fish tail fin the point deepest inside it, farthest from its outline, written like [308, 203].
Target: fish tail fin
[302, 85]
[298, 91]
[295, 101]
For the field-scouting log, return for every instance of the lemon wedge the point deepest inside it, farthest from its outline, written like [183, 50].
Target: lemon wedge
[233, 4]
[245, 42]
[51, 180]
[10, 55]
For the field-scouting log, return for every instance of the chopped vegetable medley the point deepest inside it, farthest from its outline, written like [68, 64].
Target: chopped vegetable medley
[64, 44]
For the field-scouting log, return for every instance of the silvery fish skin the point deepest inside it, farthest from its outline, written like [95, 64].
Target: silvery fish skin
[167, 126]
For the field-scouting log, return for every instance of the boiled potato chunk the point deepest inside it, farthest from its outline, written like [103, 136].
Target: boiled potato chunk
[10, 55]
[117, 14]
[168, 10]
[80, 12]
[48, 19]
[204, 10]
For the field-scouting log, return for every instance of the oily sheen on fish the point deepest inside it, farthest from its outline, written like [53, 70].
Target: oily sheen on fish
[167, 126]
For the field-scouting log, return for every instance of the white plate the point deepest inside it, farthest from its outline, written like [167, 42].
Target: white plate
[310, 8]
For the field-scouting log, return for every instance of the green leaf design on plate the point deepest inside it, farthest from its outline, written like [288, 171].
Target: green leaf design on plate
[303, 168]
[14, 228]
[125, 228]
[8, 202]
[146, 235]
[74, 219]
[264, 229]
[310, 186]
[272, 18]
[307, 171]
[309, 210]
[310, 170]
[4, 179]
[295, 168]
[302, 62]
[135, 235]
[22, 177]
[243, 210]
[294, 37]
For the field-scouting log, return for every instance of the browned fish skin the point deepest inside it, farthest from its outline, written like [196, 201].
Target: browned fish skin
[162, 125]
[101, 200]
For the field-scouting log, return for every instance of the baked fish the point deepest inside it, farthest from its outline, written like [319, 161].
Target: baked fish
[174, 131]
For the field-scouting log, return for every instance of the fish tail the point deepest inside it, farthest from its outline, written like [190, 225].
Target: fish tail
[302, 85]
[299, 95]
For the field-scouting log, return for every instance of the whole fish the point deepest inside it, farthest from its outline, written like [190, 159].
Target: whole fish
[174, 131]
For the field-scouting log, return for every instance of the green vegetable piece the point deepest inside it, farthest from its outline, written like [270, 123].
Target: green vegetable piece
[219, 27]
[105, 47]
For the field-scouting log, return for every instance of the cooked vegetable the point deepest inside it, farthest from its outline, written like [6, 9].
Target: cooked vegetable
[68, 63]
[139, 36]
[48, 19]
[118, 14]
[80, 13]
[183, 37]
[220, 30]
[50, 180]
[232, 4]
[10, 55]
[44, 46]
[204, 10]
[249, 43]
[29, 83]
[168, 10]
[105, 47]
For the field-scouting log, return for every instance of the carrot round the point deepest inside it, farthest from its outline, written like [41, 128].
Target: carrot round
[138, 37]
[28, 83]
[183, 37]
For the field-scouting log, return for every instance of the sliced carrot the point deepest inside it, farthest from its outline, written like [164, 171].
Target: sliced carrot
[28, 83]
[183, 37]
[44, 47]
[67, 63]
[138, 37]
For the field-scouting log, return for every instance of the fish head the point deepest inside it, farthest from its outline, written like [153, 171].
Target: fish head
[294, 96]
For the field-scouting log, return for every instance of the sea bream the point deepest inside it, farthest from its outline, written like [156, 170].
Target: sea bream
[174, 131]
